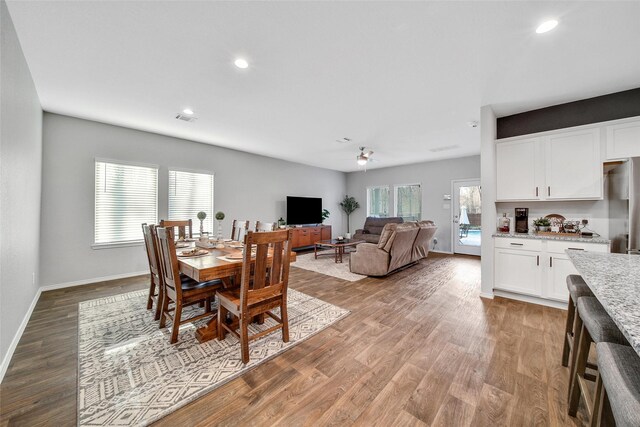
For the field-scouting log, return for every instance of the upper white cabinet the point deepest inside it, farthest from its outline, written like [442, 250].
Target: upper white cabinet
[556, 166]
[572, 165]
[518, 170]
[623, 140]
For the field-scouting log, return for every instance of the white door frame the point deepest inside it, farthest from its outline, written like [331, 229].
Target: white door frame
[454, 213]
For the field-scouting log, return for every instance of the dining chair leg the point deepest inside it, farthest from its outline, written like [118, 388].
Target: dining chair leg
[582, 354]
[222, 317]
[284, 316]
[152, 290]
[571, 311]
[163, 311]
[244, 339]
[159, 304]
[176, 323]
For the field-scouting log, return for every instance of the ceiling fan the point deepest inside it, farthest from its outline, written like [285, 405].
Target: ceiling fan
[363, 158]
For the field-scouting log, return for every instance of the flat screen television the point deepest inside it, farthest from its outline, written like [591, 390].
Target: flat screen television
[304, 210]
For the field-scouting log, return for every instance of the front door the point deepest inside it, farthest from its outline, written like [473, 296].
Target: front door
[466, 217]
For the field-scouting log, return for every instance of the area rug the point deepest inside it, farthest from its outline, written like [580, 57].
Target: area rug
[129, 374]
[325, 264]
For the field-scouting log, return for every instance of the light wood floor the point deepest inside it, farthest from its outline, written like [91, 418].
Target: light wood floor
[402, 357]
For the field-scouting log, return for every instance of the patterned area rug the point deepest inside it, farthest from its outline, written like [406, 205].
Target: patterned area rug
[325, 264]
[129, 374]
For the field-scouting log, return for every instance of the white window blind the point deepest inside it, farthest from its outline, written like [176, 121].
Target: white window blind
[125, 197]
[378, 201]
[190, 193]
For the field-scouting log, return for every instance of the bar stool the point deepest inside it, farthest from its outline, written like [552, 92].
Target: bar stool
[618, 385]
[593, 325]
[577, 288]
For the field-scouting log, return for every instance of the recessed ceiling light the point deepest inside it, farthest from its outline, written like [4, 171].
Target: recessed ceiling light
[546, 26]
[188, 111]
[241, 63]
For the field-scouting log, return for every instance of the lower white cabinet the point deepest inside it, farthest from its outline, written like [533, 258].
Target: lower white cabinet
[537, 268]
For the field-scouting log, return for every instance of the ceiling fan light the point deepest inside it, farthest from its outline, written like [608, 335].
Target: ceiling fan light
[362, 160]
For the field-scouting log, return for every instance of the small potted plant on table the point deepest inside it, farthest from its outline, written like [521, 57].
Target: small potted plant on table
[542, 224]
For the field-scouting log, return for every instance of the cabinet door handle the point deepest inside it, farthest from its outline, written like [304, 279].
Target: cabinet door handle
[550, 262]
[516, 244]
[537, 259]
[536, 191]
[549, 191]
[575, 249]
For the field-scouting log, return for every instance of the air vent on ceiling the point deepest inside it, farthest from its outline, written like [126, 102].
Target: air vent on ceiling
[445, 148]
[343, 140]
[186, 118]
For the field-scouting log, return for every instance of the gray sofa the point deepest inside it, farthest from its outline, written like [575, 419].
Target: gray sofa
[373, 228]
[399, 246]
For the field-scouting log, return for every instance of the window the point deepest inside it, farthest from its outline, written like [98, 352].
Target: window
[409, 202]
[125, 196]
[190, 193]
[378, 201]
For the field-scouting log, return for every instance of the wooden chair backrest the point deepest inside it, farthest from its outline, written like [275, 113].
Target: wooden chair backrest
[168, 260]
[182, 225]
[239, 229]
[266, 226]
[152, 253]
[270, 276]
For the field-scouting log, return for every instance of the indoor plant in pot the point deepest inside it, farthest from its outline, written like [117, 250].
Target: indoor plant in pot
[542, 224]
[201, 216]
[219, 217]
[348, 205]
[325, 214]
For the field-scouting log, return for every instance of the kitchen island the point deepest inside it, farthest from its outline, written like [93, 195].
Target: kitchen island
[615, 281]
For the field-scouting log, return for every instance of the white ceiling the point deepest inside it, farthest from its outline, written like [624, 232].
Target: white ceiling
[399, 78]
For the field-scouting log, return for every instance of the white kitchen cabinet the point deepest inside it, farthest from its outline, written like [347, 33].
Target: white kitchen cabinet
[518, 170]
[559, 165]
[537, 268]
[518, 270]
[623, 140]
[572, 165]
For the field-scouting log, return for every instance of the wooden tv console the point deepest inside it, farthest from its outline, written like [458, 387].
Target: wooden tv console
[307, 236]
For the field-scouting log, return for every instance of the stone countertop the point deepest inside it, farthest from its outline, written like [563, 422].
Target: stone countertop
[615, 281]
[547, 237]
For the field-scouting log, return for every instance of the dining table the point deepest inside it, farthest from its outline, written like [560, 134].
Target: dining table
[218, 263]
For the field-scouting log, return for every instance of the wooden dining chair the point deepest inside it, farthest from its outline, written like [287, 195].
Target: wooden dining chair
[185, 227]
[156, 289]
[180, 290]
[239, 229]
[266, 226]
[262, 288]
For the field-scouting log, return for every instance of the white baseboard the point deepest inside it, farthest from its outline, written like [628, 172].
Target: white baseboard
[441, 252]
[92, 280]
[487, 295]
[16, 338]
[531, 299]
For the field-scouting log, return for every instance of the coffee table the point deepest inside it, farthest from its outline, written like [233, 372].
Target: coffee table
[338, 247]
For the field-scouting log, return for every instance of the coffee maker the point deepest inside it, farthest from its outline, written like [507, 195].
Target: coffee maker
[522, 220]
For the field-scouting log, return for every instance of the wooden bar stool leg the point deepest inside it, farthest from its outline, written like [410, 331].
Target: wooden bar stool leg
[582, 354]
[568, 332]
[596, 417]
[577, 328]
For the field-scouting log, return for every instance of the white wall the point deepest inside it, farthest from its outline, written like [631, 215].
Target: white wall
[435, 179]
[247, 186]
[20, 180]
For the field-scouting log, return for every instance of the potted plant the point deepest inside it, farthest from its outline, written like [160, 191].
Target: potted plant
[542, 224]
[348, 205]
[282, 223]
[325, 214]
[219, 217]
[201, 216]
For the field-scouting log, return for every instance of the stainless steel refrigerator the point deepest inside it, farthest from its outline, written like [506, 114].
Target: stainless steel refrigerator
[623, 194]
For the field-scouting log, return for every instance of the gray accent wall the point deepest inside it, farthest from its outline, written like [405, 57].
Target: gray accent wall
[20, 181]
[247, 186]
[435, 180]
